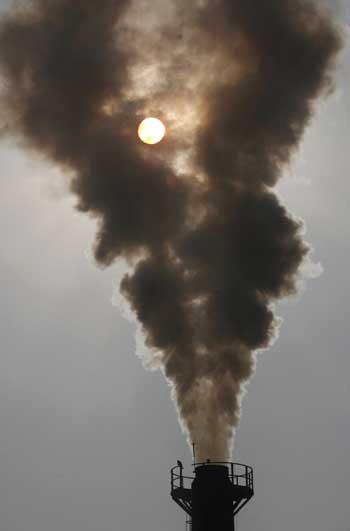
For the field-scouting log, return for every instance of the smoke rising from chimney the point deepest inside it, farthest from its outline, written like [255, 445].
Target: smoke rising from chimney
[211, 246]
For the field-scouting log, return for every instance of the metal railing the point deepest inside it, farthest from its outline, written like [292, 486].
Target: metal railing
[178, 480]
[239, 475]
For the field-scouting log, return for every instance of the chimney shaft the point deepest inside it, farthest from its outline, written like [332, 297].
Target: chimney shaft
[212, 504]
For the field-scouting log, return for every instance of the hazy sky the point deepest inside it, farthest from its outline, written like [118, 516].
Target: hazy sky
[87, 436]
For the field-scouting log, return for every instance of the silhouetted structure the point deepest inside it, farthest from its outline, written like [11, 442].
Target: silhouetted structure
[214, 496]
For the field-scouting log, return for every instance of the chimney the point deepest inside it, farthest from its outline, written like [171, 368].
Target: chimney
[214, 495]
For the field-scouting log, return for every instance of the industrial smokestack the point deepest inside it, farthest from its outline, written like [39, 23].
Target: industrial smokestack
[214, 496]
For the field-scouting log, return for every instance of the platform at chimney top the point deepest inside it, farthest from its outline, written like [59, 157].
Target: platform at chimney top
[210, 476]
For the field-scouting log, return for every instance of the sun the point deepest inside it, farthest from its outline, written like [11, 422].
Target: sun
[151, 131]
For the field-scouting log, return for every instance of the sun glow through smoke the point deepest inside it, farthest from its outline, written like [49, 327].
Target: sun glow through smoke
[151, 131]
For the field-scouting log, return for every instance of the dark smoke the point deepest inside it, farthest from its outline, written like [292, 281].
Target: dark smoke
[211, 245]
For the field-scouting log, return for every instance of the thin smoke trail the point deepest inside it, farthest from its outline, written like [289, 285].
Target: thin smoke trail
[210, 245]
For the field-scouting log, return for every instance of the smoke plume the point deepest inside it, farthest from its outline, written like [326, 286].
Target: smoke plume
[210, 244]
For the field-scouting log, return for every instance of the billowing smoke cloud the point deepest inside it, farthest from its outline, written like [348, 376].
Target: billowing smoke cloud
[211, 246]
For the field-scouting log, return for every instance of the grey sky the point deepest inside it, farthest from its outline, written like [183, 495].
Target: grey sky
[88, 437]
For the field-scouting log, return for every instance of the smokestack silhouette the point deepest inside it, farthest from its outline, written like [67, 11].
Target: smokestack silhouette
[211, 245]
[214, 496]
